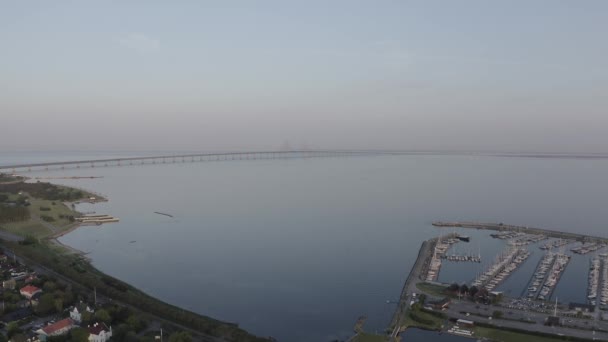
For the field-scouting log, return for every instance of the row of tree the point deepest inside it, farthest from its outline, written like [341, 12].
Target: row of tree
[13, 213]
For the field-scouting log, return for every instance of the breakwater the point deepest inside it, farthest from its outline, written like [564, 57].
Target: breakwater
[522, 229]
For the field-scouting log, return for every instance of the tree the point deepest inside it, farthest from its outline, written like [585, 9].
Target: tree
[59, 304]
[103, 316]
[473, 290]
[87, 317]
[454, 287]
[79, 335]
[464, 289]
[181, 336]
[19, 338]
[49, 286]
[46, 304]
[136, 323]
[12, 328]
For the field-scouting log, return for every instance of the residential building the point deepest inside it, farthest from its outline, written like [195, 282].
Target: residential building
[76, 312]
[99, 332]
[29, 291]
[55, 329]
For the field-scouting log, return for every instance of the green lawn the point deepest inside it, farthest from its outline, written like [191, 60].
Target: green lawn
[25, 228]
[365, 337]
[34, 227]
[432, 289]
[509, 336]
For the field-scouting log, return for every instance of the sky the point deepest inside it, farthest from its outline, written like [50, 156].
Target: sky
[464, 75]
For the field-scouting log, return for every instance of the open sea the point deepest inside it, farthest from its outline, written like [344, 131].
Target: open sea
[298, 249]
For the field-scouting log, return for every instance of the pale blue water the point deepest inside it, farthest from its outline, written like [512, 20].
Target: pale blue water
[299, 248]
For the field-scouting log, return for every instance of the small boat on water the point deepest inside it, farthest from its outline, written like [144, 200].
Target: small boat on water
[159, 213]
[464, 238]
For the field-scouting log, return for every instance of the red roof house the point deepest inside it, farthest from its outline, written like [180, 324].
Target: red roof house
[55, 329]
[29, 291]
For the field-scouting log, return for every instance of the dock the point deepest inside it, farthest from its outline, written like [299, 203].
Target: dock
[96, 219]
[505, 264]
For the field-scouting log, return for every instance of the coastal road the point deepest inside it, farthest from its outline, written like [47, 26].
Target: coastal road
[481, 313]
[4, 235]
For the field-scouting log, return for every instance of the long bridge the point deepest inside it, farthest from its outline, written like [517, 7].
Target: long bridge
[183, 158]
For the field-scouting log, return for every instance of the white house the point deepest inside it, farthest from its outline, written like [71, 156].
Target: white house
[99, 332]
[76, 313]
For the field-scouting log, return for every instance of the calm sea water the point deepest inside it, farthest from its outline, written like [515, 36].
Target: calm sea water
[299, 248]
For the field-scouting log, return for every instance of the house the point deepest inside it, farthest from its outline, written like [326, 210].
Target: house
[29, 291]
[9, 284]
[465, 323]
[440, 304]
[55, 329]
[99, 332]
[76, 312]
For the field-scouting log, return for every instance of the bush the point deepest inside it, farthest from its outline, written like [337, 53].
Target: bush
[47, 218]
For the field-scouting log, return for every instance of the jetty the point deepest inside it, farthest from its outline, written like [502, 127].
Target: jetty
[96, 219]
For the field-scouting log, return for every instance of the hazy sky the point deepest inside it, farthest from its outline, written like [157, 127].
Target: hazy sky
[208, 75]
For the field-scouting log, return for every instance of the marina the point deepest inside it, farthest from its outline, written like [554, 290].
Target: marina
[588, 248]
[604, 280]
[556, 244]
[547, 275]
[522, 239]
[504, 265]
[439, 251]
[594, 279]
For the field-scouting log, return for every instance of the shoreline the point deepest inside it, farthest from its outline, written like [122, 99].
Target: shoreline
[51, 255]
